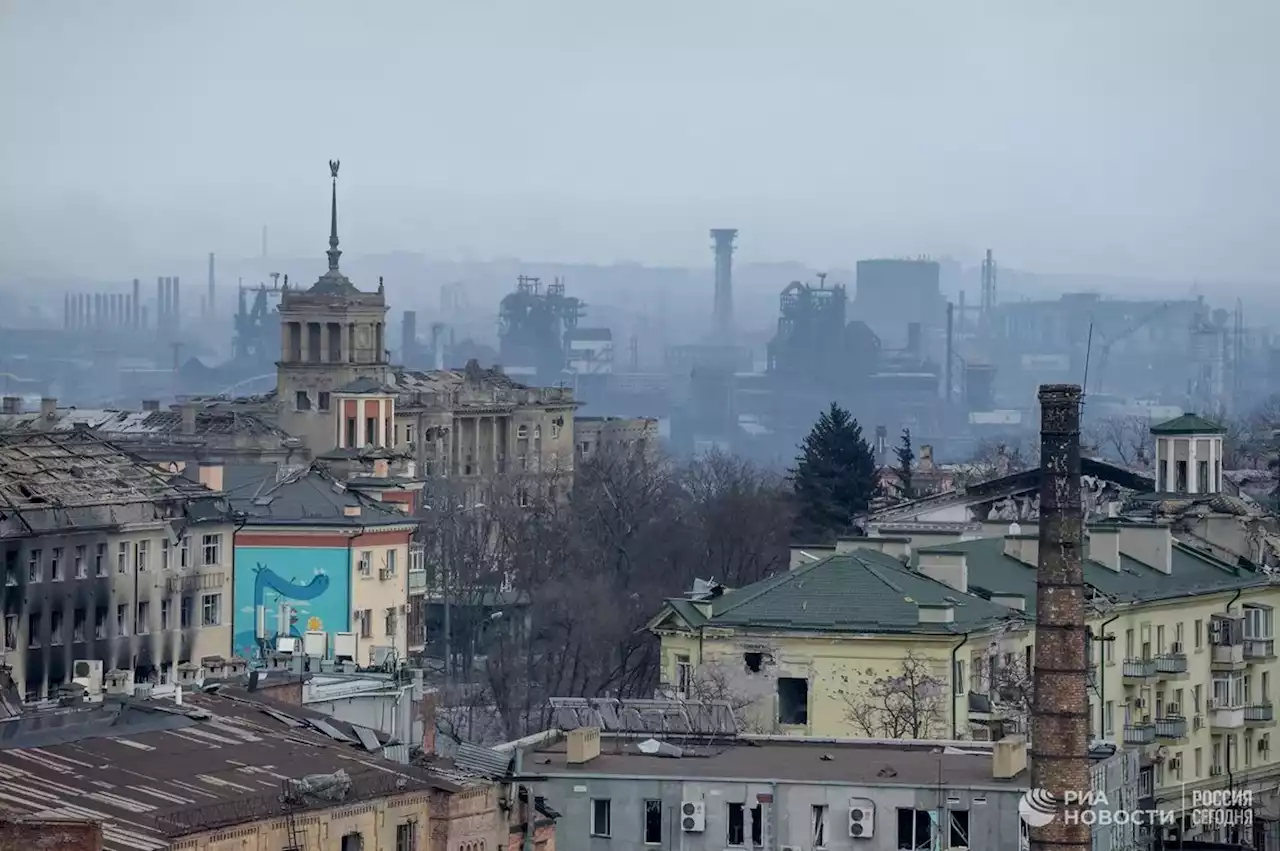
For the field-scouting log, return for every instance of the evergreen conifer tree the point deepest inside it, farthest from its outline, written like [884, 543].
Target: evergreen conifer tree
[834, 476]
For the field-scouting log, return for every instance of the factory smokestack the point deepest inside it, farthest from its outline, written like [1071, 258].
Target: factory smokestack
[409, 338]
[723, 312]
[66, 312]
[175, 306]
[135, 320]
[209, 297]
[1060, 700]
[950, 343]
[160, 288]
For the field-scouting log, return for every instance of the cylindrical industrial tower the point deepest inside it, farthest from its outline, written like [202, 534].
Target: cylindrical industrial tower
[723, 311]
[209, 298]
[174, 312]
[1060, 698]
[161, 286]
[136, 319]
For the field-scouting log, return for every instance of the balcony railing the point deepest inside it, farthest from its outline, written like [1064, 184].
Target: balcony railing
[1261, 713]
[1227, 655]
[1139, 734]
[1259, 648]
[1171, 727]
[1139, 668]
[1171, 663]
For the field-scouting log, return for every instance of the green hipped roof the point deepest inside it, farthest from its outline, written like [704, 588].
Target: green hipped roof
[993, 572]
[1188, 424]
[862, 591]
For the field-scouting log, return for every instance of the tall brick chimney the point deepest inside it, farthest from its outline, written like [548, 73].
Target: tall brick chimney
[1060, 703]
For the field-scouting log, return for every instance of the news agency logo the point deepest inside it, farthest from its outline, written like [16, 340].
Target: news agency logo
[1038, 807]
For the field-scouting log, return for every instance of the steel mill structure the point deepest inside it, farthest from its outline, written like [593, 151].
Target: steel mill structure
[1060, 703]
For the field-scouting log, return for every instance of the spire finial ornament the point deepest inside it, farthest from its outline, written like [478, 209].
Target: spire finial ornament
[333, 252]
[380, 289]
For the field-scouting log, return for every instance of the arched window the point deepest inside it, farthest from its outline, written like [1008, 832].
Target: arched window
[522, 432]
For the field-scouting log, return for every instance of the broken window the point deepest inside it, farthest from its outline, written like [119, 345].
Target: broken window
[684, 676]
[753, 662]
[164, 615]
[122, 619]
[144, 617]
[350, 442]
[818, 819]
[100, 622]
[370, 431]
[10, 632]
[184, 552]
[757, 826]
[407, 836]
[142, 554]
[211, 606]
[166, 554]
[55, 628]
[915, 830]
[82, 567]
[737, 826]
[959, 829]
[323, 404]
[122, 557]
[793, 700]
[77, 626]
[353, 842]
[55, 564]
[11, 568]
[34, 627]
[184, 612]
[35, 567]
[600, 817]
[1180, 472]
[212, 547]
[653, 822]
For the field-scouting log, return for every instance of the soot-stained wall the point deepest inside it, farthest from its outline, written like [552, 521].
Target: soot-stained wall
[314, 583]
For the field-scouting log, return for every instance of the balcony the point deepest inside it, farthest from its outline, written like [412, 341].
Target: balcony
[1259, 648]
[1138, 669]
[417, 581]
[1259, 715]
[1224, 716]
[1140, 734]
[1171, 727]
[1171, 665]
[1227, 657]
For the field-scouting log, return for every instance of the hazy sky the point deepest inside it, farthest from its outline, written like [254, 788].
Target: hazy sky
[1134, 137]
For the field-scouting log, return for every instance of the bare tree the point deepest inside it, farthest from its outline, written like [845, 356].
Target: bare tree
[910, 703]
[992, 460]
[1126, 439]
[712, 682]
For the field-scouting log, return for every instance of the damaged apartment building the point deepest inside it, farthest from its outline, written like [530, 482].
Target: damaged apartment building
[109, 558]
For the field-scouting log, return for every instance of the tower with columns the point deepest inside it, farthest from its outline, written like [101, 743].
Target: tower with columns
[333, 337]
[1188, 455]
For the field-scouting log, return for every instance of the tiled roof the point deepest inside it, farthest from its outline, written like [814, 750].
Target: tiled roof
[127, 424]
[303, 497]
[1188, 424]
[862, 591]
[992, 572]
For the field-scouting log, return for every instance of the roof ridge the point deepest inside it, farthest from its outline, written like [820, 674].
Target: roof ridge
[769, 583]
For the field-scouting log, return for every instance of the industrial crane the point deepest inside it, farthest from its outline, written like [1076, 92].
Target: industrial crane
[1105, 349]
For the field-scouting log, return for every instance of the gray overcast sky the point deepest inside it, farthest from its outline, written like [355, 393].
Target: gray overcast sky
[1135, 137]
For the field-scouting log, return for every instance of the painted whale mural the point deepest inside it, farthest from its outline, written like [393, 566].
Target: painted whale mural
[307, 586]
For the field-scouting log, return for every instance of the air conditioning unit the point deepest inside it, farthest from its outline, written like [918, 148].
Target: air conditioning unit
[982, 734]
[693, 816]
[862, 818]
[385, 573]
[87, 673]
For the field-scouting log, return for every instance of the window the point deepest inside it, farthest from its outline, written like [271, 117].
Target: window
[1180, 476]
[1257, 621]
[142, 555]
[753, 662]
[737, 825]
[55, 627]
[11, 568]
[1195, 698]
[1177, 638]
[652, 822]
[166, 554]
[957, 677]
[322, 403]
[122, 619]
[757, 826]
[365, 565]
[165, 615]
[212, 547]
[818, 820]
[684, 676]
[1128, 644]
[370, 431]
[958, 829]
[1145, 783]
[522, 432]
[1160, 639]
[122, 557]
[353, 842]
[184, 552]
[915, 829]
[184, 612]
[34, 628]
[600, 817]
[55, 564]
[793, 700]
[210, 609]
[1199, 631]
[35, 567]
[100, 622]
[1203, 485]
[391, 562]
[1108, 718]
[10, 632]
[407, 833]
[81, 563]
[77, 626]
[100, 560]
[302, 402]
[391, 623]
[144, 617]
[351, 433]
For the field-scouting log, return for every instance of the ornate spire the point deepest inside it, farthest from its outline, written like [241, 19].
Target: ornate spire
[333, 252]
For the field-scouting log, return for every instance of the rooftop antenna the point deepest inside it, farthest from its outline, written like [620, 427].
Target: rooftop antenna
[822, 280]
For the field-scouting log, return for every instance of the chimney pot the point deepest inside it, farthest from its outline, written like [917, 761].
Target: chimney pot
[12, 405]
[188, 410]
[211, 475]
[48, 408]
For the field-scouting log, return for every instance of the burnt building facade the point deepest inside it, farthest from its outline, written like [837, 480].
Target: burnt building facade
[108, 558]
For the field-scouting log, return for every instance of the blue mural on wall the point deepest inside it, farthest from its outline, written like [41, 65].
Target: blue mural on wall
[286, 591]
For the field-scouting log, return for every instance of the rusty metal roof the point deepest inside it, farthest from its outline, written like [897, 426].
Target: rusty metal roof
[215, 761]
